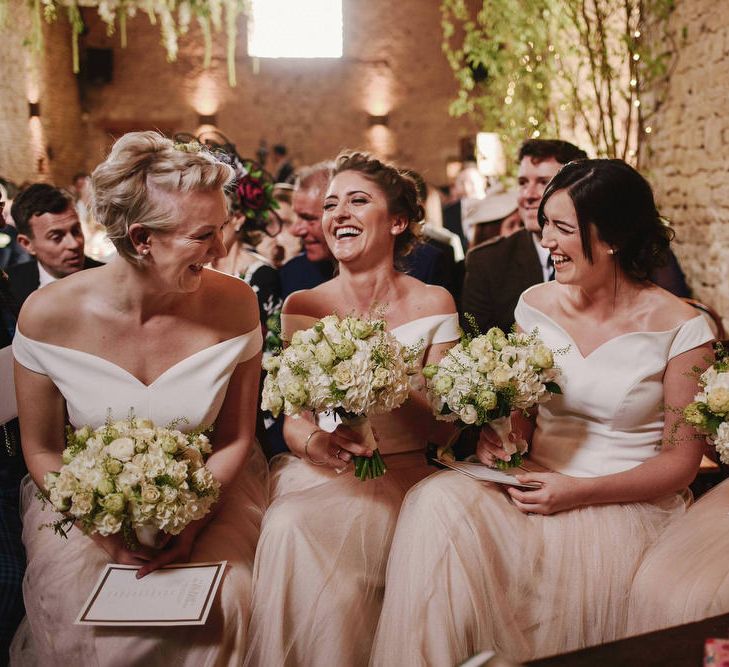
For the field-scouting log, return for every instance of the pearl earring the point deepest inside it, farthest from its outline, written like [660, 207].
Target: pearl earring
[145, 251]
[612, 251]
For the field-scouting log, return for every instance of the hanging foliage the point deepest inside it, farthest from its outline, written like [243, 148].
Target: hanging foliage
[589, 70]
[173, 17]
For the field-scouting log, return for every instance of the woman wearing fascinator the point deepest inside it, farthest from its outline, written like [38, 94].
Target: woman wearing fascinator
[154, 332]
[320, 565]
[250, 240]
[540, 571]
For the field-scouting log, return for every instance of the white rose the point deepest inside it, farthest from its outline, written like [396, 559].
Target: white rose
[718, 400]
[486, 362]
[82, 502]
[105, 486]
[479, 346]
[442, 383]
[381, 378]
[344, 375]
[542, 357]
[121, 448]
[501, 377]
[468, 414]
[324, 354]
[114, 503]
[107, 524]
[295, 392]
[150, 494]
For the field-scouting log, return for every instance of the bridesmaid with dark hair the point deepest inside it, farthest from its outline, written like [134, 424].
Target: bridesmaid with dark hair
[535, 572]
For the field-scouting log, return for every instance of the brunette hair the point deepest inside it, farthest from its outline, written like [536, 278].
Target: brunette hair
[400, 189]
[614, 197]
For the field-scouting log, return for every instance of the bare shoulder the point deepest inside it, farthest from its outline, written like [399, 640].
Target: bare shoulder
[318, 301]
[667, 311]
[542, 295]
[229, 301]
[427, 299]
[56, 309]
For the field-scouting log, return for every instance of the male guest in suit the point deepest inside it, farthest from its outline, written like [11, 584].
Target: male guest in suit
[50, 231]
[315, 265]
[500, 269]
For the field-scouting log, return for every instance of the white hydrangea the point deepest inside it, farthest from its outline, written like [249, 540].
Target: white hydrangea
[351, 365]
[133, 473]
[486, 378]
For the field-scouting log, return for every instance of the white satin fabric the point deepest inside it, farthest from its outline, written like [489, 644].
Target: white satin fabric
[61, 573]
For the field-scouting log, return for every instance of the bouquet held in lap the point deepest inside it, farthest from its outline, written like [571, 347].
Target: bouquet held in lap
[484, 378]
[133, 477]
[352, 367]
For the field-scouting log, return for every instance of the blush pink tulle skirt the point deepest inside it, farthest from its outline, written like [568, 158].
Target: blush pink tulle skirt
[61, 574]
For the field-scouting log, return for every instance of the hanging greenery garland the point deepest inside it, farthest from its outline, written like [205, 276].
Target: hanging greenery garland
[173, 16]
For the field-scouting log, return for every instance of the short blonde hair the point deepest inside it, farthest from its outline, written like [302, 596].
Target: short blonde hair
[140, 163]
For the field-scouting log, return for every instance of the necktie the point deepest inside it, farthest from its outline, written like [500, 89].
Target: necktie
[550, 268]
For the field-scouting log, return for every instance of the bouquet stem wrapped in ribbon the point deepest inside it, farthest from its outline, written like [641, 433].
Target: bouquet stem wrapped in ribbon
[352, 367]
[134, 478]
[483, 379]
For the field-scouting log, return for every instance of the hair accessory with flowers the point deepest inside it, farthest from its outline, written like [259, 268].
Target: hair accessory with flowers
[710, 408]
[254, 193]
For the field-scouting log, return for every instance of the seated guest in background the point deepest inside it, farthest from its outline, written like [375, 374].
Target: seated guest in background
[531, 572]
[289, 243]
[316, 264]
[498, 272]
[250, 240]
[488, 216]
[320, 564]
[155, 333]
[10, 250]
[12, 470]
[50, 231]
[469, 185]
[433, 259]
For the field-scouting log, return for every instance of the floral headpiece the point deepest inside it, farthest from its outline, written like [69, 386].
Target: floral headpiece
[253, 186]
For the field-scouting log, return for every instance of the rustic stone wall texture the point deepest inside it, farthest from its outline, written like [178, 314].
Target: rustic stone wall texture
[687, 157]
[392, 65]
[49, 147]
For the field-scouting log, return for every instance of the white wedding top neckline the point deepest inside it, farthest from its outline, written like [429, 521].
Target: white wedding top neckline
[610, 415]
[395, 433]
[94, 387]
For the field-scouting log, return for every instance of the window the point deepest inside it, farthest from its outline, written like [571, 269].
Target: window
[295, 29]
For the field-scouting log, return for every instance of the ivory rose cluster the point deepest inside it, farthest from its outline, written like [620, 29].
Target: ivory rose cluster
[133, 474]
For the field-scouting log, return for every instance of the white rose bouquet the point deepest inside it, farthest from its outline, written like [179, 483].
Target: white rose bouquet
[350, 366]
[133, 477]
[710, 409]
[484, 378]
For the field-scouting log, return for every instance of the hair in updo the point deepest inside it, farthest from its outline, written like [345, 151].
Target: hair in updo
[141, 164]
[400, 190]
[614, 197]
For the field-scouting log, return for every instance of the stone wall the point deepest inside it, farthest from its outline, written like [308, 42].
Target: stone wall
[392, 65]
[48, 147]
[688, 152]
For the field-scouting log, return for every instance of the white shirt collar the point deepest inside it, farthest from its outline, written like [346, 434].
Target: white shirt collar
[543, 256]
[45, 277]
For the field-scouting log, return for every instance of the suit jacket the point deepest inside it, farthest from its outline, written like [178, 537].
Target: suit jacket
[301, 273]
[25, 278]
[497, 272]
[453, 221]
